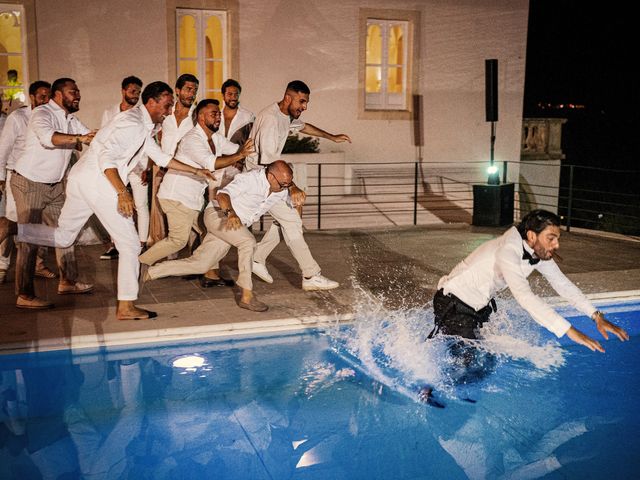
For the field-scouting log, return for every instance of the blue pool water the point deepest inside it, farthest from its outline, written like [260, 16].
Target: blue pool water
[337, 404]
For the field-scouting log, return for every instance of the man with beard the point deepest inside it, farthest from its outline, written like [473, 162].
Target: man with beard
[98, 185]
[131, 88]
[38, 186]
[12, 145]
[174, 127]
[464, 300]
[235, 126]
[181, 195]
[270, 132]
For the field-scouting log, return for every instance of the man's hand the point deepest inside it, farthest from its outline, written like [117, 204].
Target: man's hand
[233, 222]
[126, 206]
[298, 197]
[604, 326]
[145, 176]
[87, 137]
[204, 173]
[340, 138]
[582, 339]
[247, 149]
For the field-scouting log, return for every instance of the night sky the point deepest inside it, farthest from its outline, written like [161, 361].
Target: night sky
[584, 53]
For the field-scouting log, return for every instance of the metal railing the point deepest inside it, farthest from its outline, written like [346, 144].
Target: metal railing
[347, 195]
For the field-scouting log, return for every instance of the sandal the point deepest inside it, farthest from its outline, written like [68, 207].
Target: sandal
[147, 315]
[44, 272]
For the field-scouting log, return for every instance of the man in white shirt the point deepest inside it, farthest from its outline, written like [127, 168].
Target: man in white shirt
[37, 185]
[238, 205]
[181, 196]
[131, 88]
[174, 127]
[98, 184]
[269, 133]
[464, 299]
[235, 126]
[11, 147]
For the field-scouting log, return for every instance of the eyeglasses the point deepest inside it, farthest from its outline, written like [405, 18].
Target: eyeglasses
[282, 185]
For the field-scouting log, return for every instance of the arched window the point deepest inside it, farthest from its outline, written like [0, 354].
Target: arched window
[202, 48]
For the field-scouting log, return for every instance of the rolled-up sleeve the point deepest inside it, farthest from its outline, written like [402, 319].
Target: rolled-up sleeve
[41, 123]
[196, 152]
[509, 264]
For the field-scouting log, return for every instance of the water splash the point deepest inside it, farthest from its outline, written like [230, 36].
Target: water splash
[391, 346]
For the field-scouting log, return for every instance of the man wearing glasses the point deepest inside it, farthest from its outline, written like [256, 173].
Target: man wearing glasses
[181, 195]
[238, 205]
[269, 132]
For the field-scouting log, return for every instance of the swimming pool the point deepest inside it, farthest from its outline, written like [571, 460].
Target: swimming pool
[339, 404]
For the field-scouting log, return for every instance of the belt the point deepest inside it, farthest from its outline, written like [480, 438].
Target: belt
[43, 183]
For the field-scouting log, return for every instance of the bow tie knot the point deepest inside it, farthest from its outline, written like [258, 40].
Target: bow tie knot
[527, 256]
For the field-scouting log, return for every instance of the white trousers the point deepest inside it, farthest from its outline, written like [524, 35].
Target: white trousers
[291, 225]
[141, 200]
[90, 192]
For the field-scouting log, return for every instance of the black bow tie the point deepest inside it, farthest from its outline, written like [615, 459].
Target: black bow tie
[527, 256]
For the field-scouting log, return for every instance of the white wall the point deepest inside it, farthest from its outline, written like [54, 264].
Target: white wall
[98, 43]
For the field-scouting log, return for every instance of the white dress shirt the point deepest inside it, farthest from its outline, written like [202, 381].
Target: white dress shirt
[250, 197]
[498, 264]
[122, 144]
[12, 139]
[41, 160]
[242, 118]
[269, 133]
[172, 133]
[109, 113]
[194, 150]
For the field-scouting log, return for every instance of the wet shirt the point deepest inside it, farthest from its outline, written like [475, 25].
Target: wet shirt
[498, 264]
[41, 160]
[250, 197]
[194, 150]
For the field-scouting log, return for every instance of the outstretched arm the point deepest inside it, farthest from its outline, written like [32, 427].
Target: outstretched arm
[312, 130]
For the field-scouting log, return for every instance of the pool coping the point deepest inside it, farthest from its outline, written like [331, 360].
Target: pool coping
[236, 329]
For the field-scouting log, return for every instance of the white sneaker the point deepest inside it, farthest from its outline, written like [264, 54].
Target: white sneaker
[260, 271]
[318, 282]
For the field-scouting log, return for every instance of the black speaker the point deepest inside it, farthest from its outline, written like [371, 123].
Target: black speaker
[418, 136]
[491, 89]
[493, 205]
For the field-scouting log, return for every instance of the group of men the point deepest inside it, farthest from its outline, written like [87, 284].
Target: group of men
[195, 155]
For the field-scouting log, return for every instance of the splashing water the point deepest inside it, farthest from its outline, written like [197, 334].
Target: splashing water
[391, 347]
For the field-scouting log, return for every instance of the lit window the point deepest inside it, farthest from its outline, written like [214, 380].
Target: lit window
[202, 48]
[386, 65]
[13, 58]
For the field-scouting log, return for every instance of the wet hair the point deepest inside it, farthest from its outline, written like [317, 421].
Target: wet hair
[201, 104]
[184, 78]
[58, 84]
[230, 83]
[129, 80]
[537, 221]
[155, 90]
[33, 88]
[298, 86]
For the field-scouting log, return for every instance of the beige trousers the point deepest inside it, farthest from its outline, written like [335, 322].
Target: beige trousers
[214, 247]
[291, 225]
[180, 219]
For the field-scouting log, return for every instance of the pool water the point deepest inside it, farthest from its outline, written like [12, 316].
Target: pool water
[336, 404]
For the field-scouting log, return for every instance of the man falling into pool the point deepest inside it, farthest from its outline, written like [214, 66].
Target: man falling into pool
[464, 300]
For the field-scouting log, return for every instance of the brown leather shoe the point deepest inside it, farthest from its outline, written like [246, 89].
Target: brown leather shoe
[32, 303]
[76, 288]
[254, 305]
[44, 272]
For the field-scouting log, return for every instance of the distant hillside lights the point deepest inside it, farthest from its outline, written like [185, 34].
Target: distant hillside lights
[560, 106]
